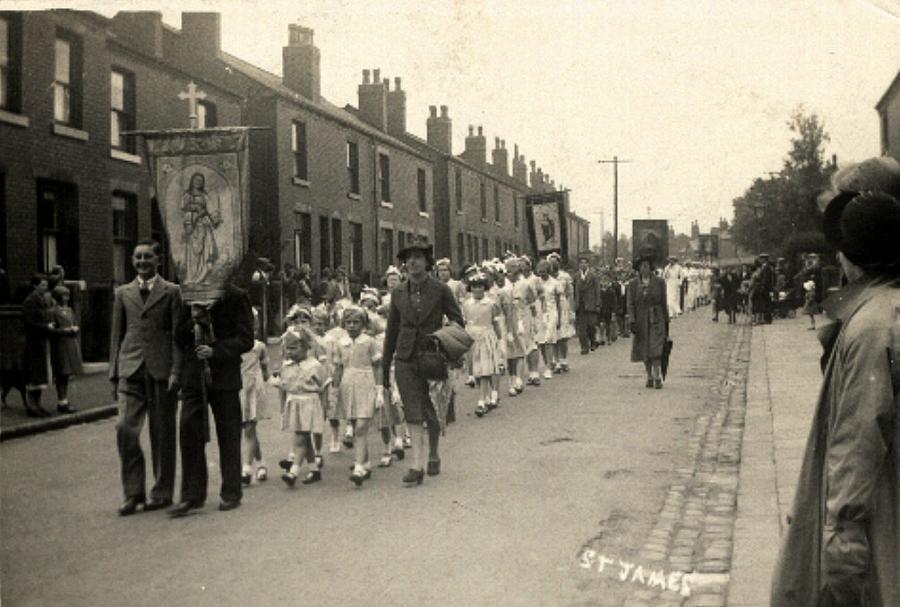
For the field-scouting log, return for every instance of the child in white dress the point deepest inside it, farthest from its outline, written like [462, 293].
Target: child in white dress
[357, 376]
[303, 381]
[551, 293]
[254, 374]
[483, 322]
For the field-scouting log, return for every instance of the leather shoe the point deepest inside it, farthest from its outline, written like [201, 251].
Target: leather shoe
[434, 467]
[226, 505]
[130, 505]
[157, 504]
[414, 477]
[183, 508]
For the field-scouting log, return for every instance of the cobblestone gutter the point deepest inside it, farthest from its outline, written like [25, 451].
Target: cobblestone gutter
[692, 541]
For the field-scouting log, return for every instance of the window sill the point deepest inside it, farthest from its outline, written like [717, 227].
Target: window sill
[387, 205]
[14, 119]
[124, 156]
[483, 220]
[423, 214]
[459, 212]
[70, 132]
[301, 182]
[353, 196]
[498, 223]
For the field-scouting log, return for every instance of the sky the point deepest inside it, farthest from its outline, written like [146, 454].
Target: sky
[697, 94]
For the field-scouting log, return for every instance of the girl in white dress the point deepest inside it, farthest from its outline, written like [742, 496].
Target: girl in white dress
[357, 376]
[533, 357]
[483, 322]
[551, 294]
[254, 374]
[566, 305]
[303, 381]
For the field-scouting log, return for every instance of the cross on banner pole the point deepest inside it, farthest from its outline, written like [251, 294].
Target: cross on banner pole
[192, 95]
[615, 162]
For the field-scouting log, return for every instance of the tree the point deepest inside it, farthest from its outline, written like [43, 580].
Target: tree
[773, 209]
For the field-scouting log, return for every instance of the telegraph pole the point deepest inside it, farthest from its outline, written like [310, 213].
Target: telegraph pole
[615, 162]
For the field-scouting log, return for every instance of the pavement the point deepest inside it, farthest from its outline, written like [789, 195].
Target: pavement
[89, 395]
[782, 389]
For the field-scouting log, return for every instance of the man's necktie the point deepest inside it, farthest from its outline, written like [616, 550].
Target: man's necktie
[145, 293]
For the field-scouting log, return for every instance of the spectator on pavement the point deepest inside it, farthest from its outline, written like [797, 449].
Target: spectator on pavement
[843, 539]
[65, 351]
[37, 315]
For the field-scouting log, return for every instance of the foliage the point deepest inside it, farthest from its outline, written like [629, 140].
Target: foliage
[773, 209]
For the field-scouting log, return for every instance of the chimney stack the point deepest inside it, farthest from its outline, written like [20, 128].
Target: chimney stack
[500, 157]
[202, 34]
[476, 148]
[440, 131]
[373, 100]
[142, 29]
[396, 109]
[520, 169]
[300, 63]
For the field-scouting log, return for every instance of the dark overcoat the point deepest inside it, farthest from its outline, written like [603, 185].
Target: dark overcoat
[37, 314]
[649, 314]
[842, 543]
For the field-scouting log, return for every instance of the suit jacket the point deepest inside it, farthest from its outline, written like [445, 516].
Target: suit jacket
[587, 292]
[232, 335]
[407, 329]
[142, 332]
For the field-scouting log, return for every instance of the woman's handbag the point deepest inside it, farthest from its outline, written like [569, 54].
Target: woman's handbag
[432, 364]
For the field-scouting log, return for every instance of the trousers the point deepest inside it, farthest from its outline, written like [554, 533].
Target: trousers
[144, 397]
[585, 323]
[226, 409]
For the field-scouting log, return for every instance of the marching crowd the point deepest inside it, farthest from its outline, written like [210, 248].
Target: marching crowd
[386, 364]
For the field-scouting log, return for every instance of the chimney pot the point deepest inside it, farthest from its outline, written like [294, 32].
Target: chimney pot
[432, 110]
[365, 76]
[480, 131]
[503, 143]
[516, 150]
[377, 76]
[387, 84]
[497, 142]
[471, 130]
[397, 83]
[443, 111]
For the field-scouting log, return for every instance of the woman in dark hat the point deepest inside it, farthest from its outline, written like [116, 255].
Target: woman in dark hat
[843, 539]
[649, 313]
[418, 308]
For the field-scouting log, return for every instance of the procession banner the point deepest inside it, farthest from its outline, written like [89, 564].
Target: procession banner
[547, 223]
[650, 234]
[202, 188]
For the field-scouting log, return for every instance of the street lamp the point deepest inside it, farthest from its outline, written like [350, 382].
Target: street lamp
[759, 211]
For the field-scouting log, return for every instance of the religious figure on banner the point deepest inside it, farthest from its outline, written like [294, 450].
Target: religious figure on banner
[546, 216]
[202, 215]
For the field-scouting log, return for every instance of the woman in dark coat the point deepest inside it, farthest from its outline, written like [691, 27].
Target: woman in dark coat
[649, 313]
[418, 308]
[37, 315]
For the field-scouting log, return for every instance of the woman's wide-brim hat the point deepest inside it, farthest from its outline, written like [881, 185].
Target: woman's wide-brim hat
[418, 244]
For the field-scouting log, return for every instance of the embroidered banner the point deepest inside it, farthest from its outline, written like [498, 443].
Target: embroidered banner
[202, 188]
[650, 236]
[547, 223]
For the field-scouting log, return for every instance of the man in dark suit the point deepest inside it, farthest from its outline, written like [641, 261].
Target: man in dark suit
[212, 339]
[143, 368]
[418, 309]
[587, 304]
